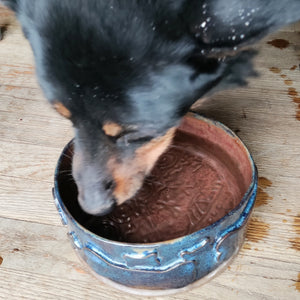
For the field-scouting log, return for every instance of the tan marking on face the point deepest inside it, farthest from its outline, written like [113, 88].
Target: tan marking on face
[129, 175]
[62, 110]
[112, 129]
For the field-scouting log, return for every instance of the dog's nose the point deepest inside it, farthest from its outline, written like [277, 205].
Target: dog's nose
[95, 202]
[95, 198]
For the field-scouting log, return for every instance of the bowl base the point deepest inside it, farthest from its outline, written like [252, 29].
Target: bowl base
[165, 292]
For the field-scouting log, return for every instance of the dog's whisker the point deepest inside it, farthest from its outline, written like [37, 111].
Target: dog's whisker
[68, 156]
[71, 180]
[67, 175]
[65, 172]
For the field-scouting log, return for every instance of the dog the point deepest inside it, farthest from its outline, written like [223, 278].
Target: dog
[126, 72]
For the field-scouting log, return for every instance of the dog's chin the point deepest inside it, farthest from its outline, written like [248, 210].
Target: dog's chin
[127, 188]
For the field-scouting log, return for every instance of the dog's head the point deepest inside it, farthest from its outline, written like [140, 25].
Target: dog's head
[125, 72]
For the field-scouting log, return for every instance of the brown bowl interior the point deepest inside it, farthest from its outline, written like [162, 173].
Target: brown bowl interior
[202, 176]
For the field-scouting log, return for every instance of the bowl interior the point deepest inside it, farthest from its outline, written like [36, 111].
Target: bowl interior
[203, 175]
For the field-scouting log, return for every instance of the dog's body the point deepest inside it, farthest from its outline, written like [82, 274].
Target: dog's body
[125, 73]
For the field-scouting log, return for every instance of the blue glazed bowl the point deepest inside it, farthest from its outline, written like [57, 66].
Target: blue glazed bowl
[162, 267]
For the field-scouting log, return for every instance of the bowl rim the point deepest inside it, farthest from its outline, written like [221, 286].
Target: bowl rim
[246, 197]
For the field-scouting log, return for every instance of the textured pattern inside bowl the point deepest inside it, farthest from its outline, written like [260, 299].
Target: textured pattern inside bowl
[202, 176]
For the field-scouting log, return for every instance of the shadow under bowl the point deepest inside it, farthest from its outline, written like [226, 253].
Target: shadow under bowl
[185, 223]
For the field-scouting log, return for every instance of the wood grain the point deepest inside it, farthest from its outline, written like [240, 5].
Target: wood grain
[36, 258]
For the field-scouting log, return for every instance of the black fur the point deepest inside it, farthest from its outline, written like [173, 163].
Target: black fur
[139, 63]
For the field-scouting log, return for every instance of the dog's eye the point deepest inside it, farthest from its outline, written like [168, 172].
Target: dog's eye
[133, 138]
[141, 139]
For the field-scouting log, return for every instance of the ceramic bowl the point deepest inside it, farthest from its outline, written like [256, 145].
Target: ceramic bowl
[192, 239]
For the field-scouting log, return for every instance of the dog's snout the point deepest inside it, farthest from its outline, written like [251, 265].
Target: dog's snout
[95, 185]
[105, 175]
[95, 192]
[95, 201]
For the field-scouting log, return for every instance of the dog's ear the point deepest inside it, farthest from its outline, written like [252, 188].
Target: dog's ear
[229, 24]
[12, 4]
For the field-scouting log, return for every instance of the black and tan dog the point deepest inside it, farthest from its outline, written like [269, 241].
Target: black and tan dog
[125, 73]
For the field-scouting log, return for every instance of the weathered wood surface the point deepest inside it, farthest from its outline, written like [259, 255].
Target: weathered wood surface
[36, 258]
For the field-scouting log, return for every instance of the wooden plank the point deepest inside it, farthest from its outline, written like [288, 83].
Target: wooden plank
[18, 127]
[27, 199]
[38, 260]
[27, 161]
